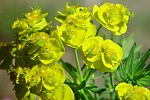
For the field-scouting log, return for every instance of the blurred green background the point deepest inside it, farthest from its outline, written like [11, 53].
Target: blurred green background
[10, 10]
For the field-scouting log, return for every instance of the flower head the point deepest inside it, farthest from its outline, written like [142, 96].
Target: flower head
[104, 55]
[48, 49]
[76, 26]
[111, 56]
[114, 17]
[33, 21]
[128, 92]
[91, 52]
[51, 77]
[64, 92]
[123, 89]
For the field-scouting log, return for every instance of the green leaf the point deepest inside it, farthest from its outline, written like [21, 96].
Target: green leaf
[89, 94]
[70, 69]
[88, 73]
[144, 81]
[140, 65]
[71, 84]
[127, 44]
[95, 89]
[125, 71]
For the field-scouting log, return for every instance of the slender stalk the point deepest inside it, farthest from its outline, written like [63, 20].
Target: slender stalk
[111, 80]
[100, 26]
[112, 85]
[78, 65]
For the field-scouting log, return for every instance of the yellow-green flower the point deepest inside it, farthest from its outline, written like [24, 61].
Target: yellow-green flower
[36, 20]
[78, 12]
[76, 26]
[141, 92]
[74, 35]
[114, 17]
[105, 55]
[64, 92]
[33, 21]
[111, 56]
[53, 77]
[40, 78]
[20, 25]
[48, 49]
[91, 50]
[128, 92]
[123, 89]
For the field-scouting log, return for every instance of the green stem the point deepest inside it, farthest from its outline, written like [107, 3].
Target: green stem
[112, 85]
[78, 65]
[100, 26]
[111, 80]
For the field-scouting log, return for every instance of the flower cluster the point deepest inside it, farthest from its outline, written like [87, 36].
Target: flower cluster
[37, 50]
[129, 92]
[36, 55]
[77, 31]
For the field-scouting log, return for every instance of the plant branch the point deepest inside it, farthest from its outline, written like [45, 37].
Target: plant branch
[112, 85]
[78, 65]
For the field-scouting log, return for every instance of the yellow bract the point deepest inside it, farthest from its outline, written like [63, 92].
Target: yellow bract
[128, 92]
[114, 17]
[104, 55]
